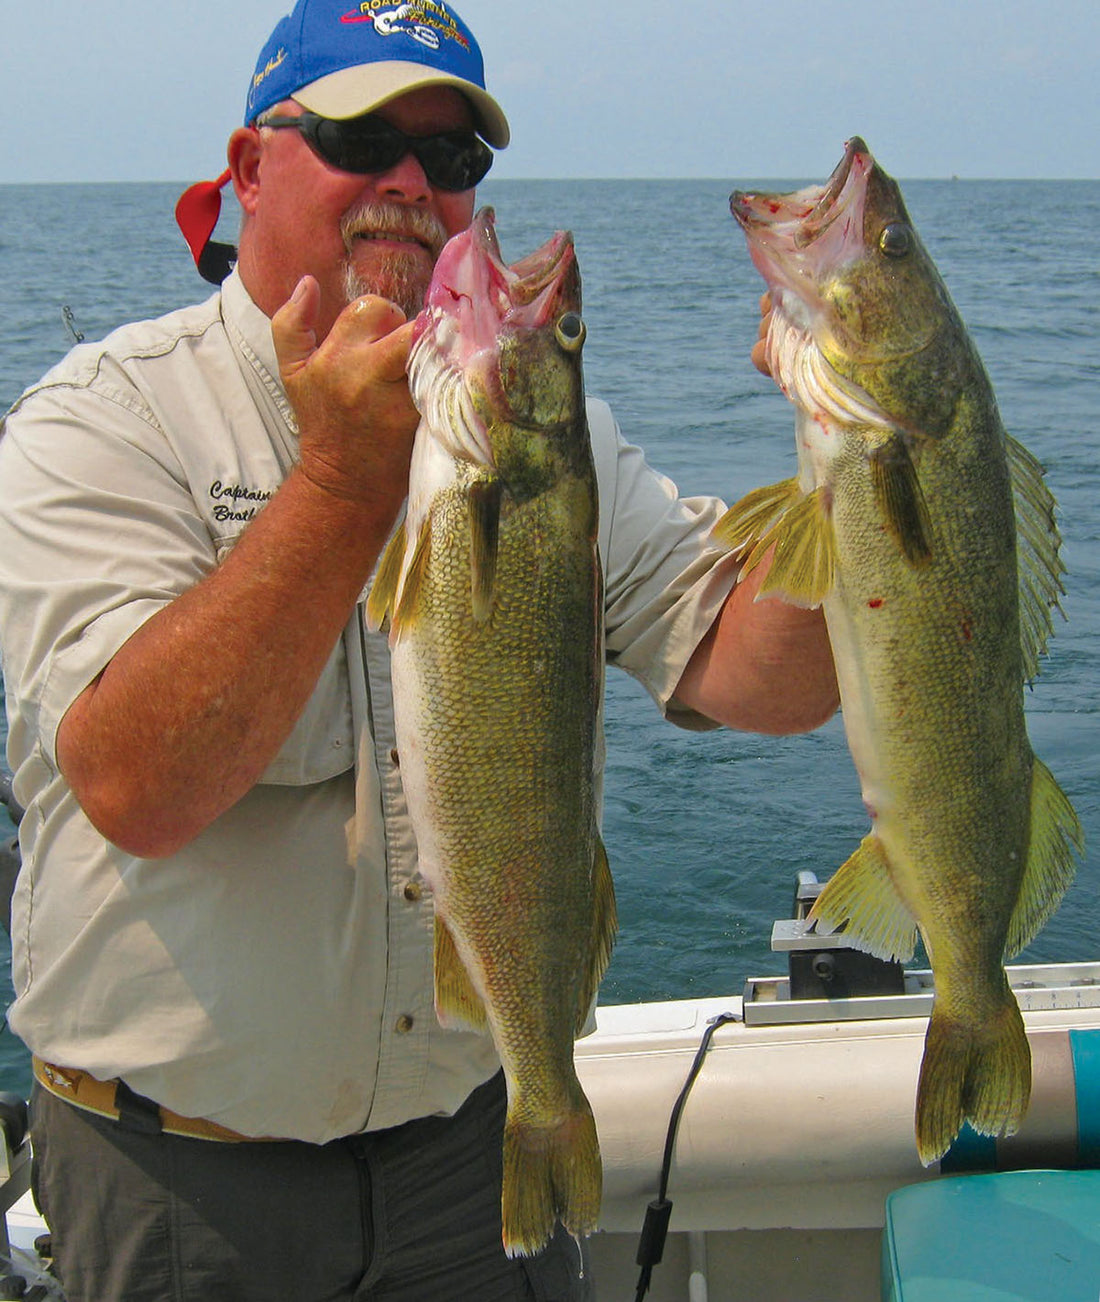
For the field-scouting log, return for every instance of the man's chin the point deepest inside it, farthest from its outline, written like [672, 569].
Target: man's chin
[403, 279]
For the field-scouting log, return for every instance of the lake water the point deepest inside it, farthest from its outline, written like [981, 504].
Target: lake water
[705, 832]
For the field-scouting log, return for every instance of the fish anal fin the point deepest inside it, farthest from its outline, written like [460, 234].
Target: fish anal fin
[980, 1074]
[457, 1002]
[604, 926]
[383, 591]
[901, 499]
[861, 898]
[483, 497]
[410, 598]
[1055, 838]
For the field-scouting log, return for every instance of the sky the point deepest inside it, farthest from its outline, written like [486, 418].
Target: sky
[148, 90]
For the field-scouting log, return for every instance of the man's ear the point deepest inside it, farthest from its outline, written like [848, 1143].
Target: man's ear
[244, 162]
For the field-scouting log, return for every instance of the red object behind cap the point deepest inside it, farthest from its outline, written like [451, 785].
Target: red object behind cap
[197, 213]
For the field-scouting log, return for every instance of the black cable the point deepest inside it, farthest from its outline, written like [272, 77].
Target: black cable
[651, 1244]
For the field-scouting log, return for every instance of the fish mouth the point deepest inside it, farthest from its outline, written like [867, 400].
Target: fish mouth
[481, 294]
[793, 236]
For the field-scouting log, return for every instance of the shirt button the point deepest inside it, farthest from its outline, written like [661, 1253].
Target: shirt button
[395, 758]
[404, 1024]
[413, 891]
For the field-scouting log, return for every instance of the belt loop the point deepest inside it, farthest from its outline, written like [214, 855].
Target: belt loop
[135, 1112]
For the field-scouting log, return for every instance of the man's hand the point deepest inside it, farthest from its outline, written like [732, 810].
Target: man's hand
[759, 349]
[350, 395]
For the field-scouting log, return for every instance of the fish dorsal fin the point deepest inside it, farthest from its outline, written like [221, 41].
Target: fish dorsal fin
[1039, 564]
[901, 499]
[798, 525]
[483, 496]
[861, 894]
[1054, 836]
[604, 926]
[457, 1002]
[383, 591]
[410, 598]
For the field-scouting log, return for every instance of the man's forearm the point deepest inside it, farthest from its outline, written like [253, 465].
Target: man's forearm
[196, 704]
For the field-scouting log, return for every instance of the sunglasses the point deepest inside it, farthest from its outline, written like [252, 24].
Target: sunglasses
[452, 160]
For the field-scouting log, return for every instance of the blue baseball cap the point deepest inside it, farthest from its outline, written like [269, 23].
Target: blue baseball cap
[341, 58]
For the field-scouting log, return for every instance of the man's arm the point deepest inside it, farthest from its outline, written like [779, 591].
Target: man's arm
[764, 666]
[196, 704]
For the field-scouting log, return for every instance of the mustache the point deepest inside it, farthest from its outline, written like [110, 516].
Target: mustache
[374, 218]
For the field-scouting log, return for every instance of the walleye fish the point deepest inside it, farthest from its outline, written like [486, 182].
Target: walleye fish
[928, 535]
[494, 590]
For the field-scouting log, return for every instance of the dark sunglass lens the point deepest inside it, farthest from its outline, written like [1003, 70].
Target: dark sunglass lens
[359, 144]
[454, 161]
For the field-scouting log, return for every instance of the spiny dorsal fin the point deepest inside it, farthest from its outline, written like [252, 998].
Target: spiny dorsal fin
[457, 1002]
[901, 499]
[383, 590]
[484, 496]
[1054, 834]
[861, 895]
[1039, 564]
[604, 926]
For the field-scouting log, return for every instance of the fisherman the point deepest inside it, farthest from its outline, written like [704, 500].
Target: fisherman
[221, 946]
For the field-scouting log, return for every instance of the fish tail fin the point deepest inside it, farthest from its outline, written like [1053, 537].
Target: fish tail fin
[985, 1080]
[551, 1173]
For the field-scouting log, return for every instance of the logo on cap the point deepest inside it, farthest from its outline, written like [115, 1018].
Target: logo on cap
[424, 22]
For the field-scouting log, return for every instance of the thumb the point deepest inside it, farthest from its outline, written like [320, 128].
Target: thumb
[294, 327]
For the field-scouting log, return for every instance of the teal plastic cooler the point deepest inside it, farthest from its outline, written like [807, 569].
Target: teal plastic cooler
[1012, 1236]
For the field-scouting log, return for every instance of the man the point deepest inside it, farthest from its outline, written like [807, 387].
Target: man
[222, 950]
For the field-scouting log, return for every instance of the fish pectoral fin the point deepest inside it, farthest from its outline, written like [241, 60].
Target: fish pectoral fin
[1038, 559]
[861, 898]
[1055, 838]
[457, 1002]
[484, 497]
[383, 591]
[901, 499]
[746, 522]
[604, 925]
[410, 599]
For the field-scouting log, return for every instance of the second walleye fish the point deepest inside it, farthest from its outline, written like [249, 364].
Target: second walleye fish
[928, 535]
[495, 595]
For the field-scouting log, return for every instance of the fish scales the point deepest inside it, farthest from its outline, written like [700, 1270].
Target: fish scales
[494, 592]
[923, 530]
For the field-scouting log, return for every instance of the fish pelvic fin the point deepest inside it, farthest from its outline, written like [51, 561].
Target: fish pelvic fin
[551, 1173]
[483, 497]
[901, 500]
[604, 926]
[1038, 558]
[457, 1002]
[798, 526]
[976, 1072]
[409, 600]
[383, 591]
[861, 899]
[1055, 839]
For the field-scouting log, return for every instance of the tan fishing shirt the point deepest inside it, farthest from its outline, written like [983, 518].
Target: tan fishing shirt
[275, 976]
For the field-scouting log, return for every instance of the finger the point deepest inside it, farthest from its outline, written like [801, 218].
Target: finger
[369, 317]
[294, 326]
[759, 356]
[765, 302]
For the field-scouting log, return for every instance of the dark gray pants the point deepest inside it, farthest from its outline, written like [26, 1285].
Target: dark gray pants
[410, 1214]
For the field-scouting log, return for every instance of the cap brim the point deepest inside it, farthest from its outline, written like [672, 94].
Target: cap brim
[367, 86]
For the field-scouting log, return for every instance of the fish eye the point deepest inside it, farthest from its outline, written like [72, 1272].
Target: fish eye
[570, 331]
[895, 240]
